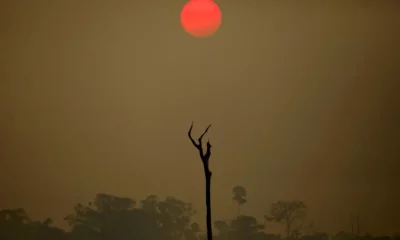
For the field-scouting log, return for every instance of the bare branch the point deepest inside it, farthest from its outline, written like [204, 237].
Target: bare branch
[202, 135]
[191, 139]
[199, 146]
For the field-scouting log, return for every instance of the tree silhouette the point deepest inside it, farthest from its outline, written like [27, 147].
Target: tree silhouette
[205, 157]
[175, 216]
[224, 229]
[116, 218]
[239, 196]
[246, 227]
[109, 217]
[15, 225]
[286, 212]
[243, 227]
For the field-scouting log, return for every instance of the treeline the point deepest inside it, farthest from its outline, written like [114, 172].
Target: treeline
[109, 217]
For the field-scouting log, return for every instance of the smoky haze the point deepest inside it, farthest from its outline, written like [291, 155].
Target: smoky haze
[302, 98]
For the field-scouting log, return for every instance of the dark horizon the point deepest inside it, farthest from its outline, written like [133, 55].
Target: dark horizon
[303, 102]
[272, 227]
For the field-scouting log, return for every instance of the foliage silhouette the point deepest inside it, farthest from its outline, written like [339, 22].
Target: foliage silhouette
[239, 196]
[286, 212]
[16, 225]
[109, 217]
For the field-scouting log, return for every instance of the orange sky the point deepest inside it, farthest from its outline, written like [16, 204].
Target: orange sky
[98, 97]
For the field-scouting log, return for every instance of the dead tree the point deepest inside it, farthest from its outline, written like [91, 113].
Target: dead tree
[205, 157]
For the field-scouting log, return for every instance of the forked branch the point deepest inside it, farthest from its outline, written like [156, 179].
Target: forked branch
[204, 156]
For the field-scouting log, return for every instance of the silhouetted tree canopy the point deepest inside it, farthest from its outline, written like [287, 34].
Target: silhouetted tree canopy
[239, 196]
[287, 212]
[109, 217]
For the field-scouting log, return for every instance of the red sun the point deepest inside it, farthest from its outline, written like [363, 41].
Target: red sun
[201, 18]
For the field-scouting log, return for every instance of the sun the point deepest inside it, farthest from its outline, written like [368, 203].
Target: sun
[201, 18]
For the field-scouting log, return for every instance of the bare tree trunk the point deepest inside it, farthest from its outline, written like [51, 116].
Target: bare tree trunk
[205, 157]
[208, 202]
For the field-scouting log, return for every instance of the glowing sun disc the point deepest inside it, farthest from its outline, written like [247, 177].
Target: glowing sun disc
[201, 18]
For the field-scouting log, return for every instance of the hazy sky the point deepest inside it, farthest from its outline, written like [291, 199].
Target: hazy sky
[97, 96]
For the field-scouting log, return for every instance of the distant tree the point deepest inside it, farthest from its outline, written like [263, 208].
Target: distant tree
[223, 228]
[241, 228]
[286, 212]
[107, 203]
[239, 196]
[149, 204]
[15, 216]
[205, 157]
[108, 217]
[44, 230]
[246, 227]
[175, 218]
[116, 218]
[15, 224]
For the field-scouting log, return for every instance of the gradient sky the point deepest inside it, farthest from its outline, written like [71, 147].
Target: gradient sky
[97, 96]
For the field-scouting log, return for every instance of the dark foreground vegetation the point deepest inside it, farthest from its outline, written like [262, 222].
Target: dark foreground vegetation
[109, 217]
